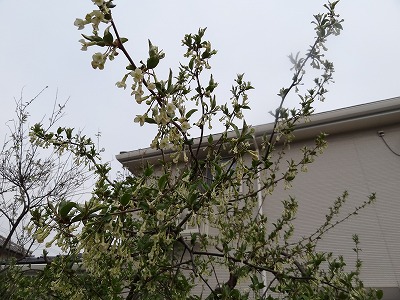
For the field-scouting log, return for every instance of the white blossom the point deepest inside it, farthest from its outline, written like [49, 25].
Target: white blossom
[84, 44]
[154, 143]
[138, 93]
[164, 143]
[98, 2]
[140, 119]
[96, 17]
[185, 126]
[121, 84]
[171, 109]
[80, 23]
[137, 75]
[98, 61]
[151, 86]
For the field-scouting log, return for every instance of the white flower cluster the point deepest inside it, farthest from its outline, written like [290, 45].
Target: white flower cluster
[98, 61]
[95, 18]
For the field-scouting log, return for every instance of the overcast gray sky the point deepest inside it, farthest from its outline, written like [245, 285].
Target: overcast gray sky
[40, 48]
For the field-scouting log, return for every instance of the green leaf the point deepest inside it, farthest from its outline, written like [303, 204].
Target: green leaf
[162, 182]
[148, 171]
[379, 294]
[68, 132]
[206, 54]
[160, 85]
[191, 64]
[236, 129]
[169, 84]
[65, 208]
[150, 120]
[151, 48]
[96, 209]
[92, 38]
[124, 200]
[190, 113]
[152, 62]
[188, 142]
[192, 198]
[213, 103]
[110, 4]
[77, 218]
[339, 26]
[211, 85]
[108, 37]
[107, 16]
[218, 171]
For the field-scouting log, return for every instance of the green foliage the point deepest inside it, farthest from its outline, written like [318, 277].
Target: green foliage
[131, 232]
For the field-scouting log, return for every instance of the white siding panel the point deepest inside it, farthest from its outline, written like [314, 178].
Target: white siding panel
[360, 163]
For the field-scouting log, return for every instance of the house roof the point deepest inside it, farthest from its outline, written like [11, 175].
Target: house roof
[353, 118]
[13, 247]
[41, 260]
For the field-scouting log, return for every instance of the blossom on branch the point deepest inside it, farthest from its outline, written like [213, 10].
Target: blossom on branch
[80, 23]
[98, 61]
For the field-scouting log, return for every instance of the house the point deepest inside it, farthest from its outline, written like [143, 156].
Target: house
[12, 250]
[363, 157]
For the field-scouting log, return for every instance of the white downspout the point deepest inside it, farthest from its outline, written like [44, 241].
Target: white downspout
[260, 209]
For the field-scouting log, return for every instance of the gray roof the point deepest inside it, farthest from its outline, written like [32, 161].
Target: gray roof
[353, 118]
[13, 247]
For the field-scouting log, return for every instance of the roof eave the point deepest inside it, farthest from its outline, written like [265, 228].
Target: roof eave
[354, 118]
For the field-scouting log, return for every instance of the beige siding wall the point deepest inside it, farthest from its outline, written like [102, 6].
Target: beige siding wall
[360, 163]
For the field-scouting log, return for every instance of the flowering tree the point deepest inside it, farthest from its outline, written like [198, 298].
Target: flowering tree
[130, 231]
[31, 177]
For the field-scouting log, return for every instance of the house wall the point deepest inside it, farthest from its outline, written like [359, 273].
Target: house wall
[356, 160]
[360, 163]
[4, 255]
